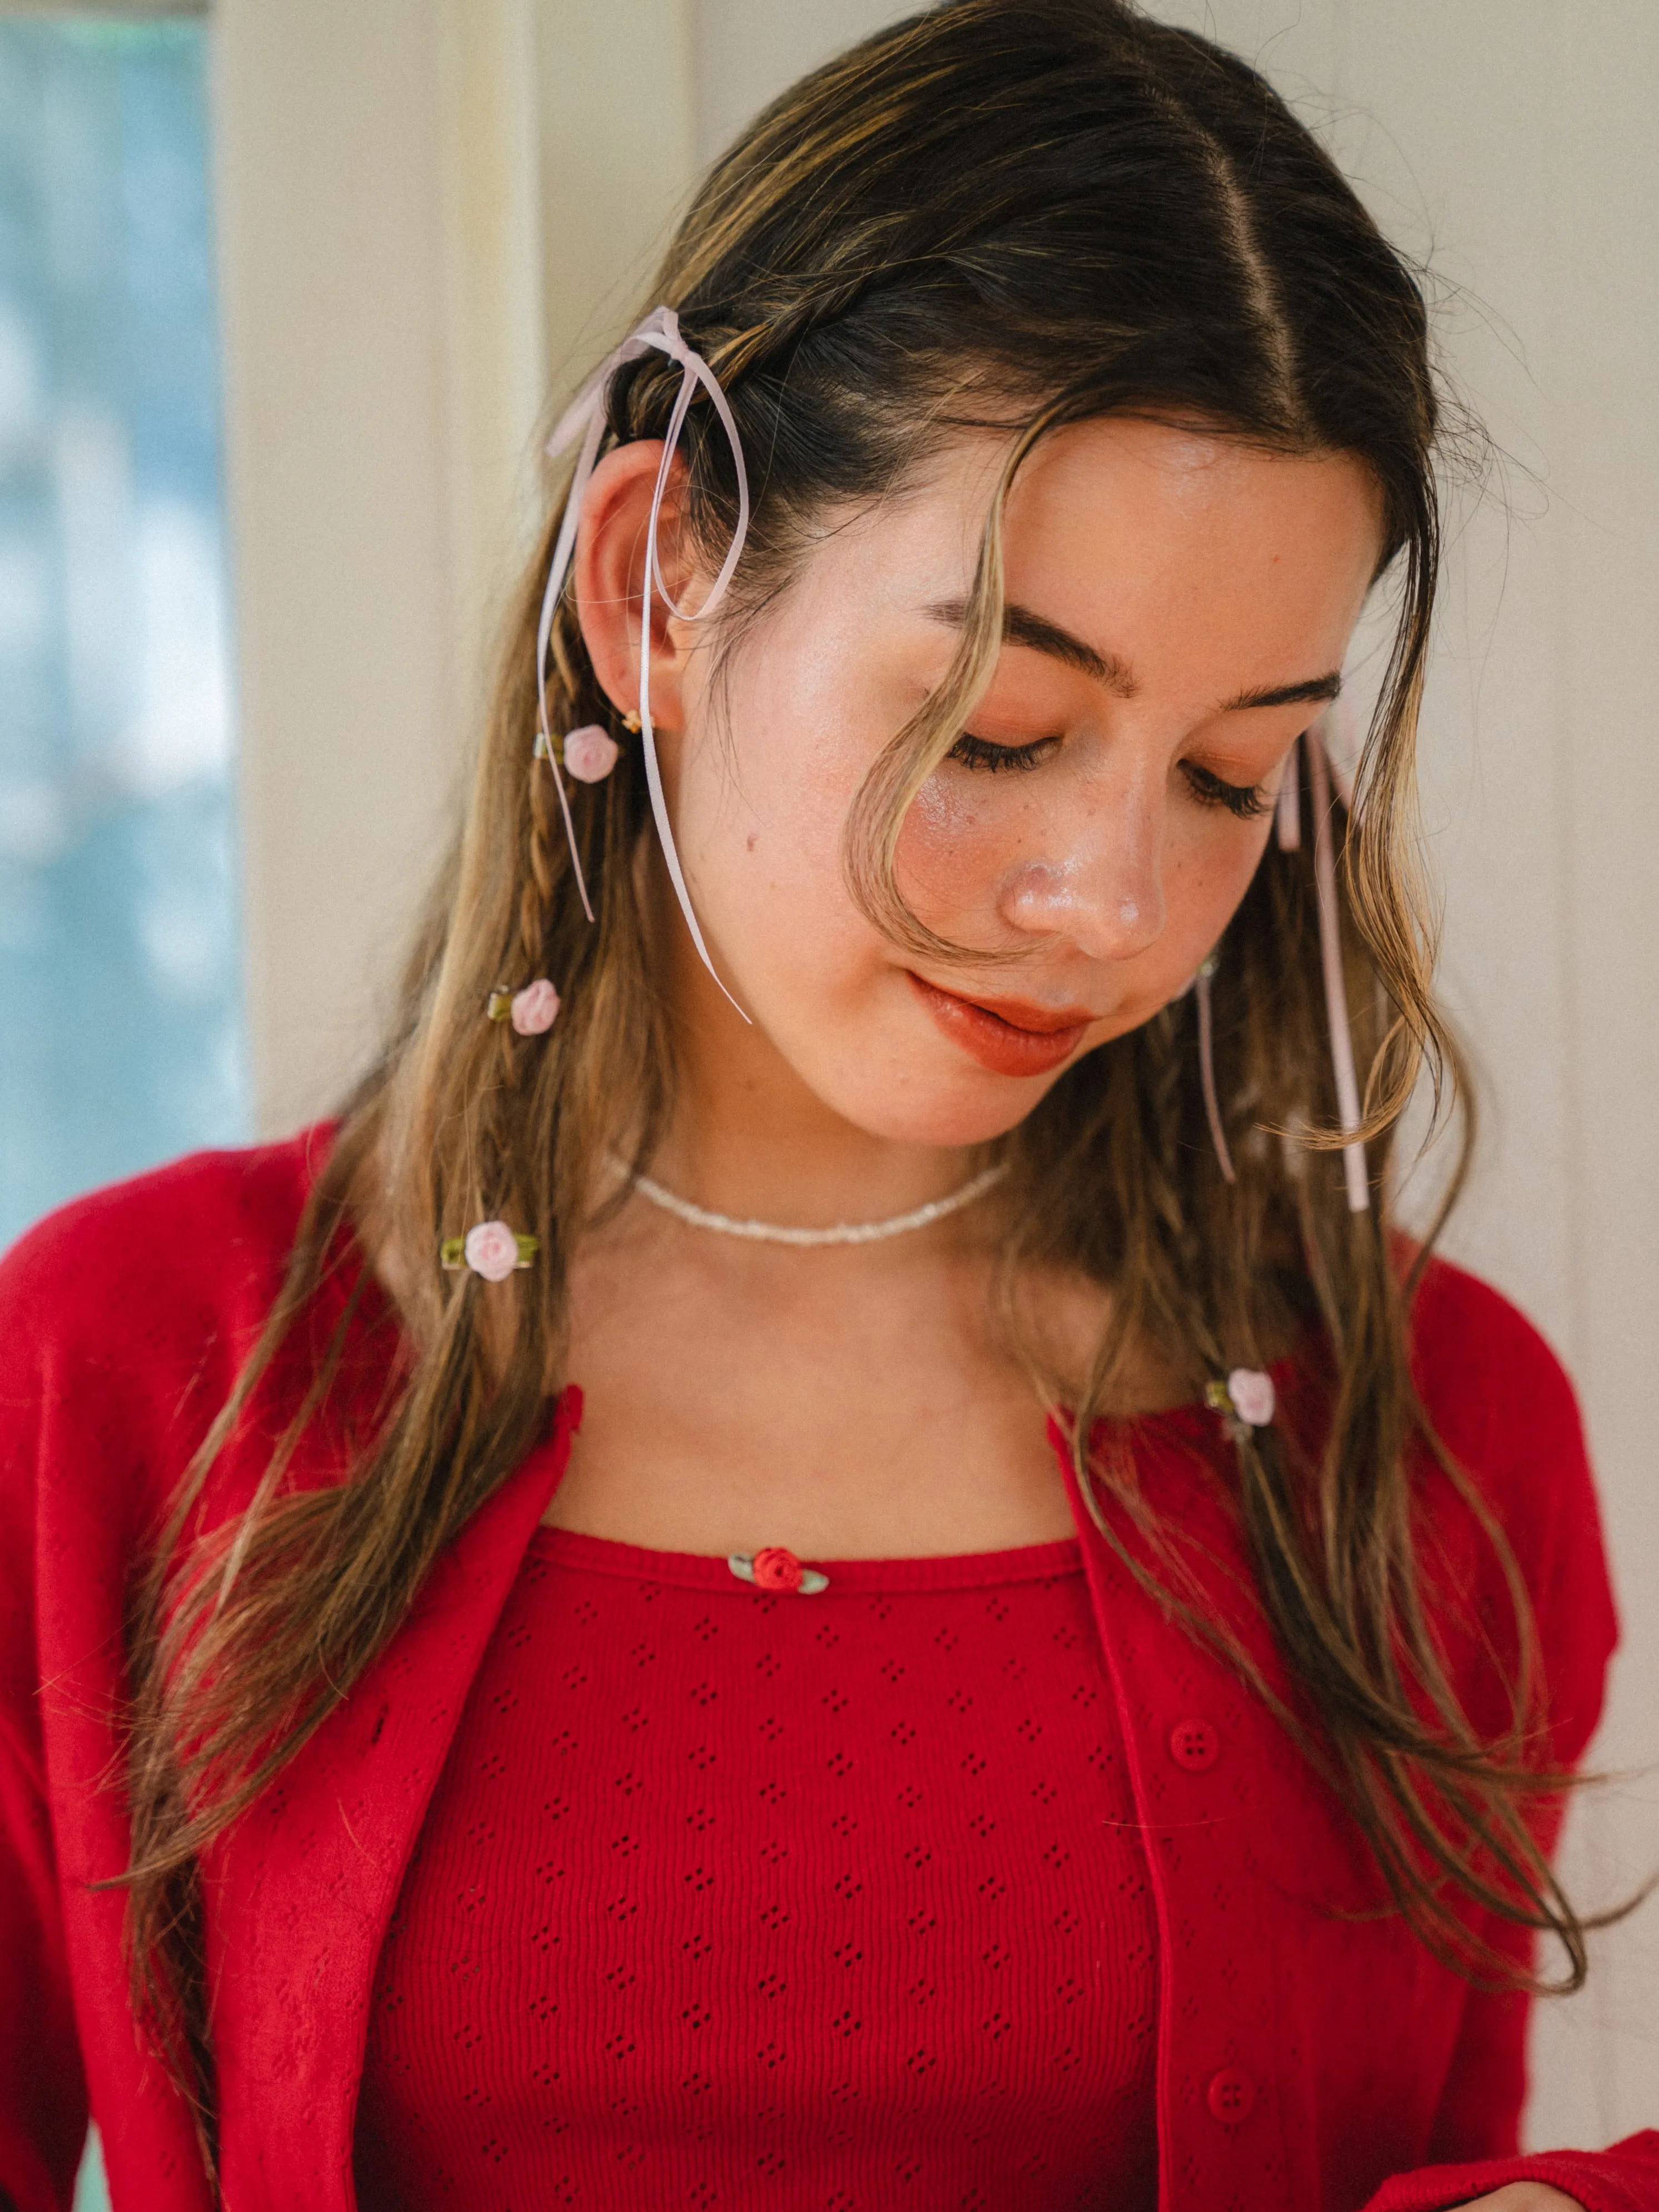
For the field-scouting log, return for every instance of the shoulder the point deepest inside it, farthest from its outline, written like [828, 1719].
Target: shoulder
[1488, 1378]
[116, 1267]
[1504, 1410]
[124, 1315]
[155, 1220]
[1499, 1398]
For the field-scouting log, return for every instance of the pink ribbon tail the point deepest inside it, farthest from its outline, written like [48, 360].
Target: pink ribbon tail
[1336, 997]
[1207, 1075]
[1287, 812]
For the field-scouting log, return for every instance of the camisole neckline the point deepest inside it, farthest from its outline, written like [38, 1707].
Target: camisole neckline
[603, 1555]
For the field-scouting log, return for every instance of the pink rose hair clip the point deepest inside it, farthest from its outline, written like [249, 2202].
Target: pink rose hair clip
[531, 1011]
[589, 754]
[1246, 1401]
[490, 1249]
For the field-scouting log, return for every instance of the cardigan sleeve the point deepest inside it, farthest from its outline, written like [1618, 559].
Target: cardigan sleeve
[43, 2105]
[43, 2093]
[1504, 1407]
[122, 1318]
[1624, 2178]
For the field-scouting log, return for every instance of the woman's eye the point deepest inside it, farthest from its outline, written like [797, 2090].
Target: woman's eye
[969, 752]
[1243, 800]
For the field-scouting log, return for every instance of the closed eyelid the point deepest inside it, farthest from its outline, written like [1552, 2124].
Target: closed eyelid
[991, 755]
[1243, 800]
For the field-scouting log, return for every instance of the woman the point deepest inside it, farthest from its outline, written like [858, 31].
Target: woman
[827, 1553]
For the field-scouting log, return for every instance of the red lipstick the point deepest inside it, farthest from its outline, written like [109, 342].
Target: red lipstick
[1006, 1035]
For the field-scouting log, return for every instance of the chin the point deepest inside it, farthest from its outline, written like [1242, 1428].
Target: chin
[925, 1105]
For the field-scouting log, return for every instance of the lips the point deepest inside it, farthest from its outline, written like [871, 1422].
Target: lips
[1006, 1035]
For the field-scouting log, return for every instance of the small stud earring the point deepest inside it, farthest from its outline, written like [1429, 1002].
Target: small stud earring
[631, 724]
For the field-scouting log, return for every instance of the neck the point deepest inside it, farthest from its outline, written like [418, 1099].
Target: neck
[750, 1139]
[735, 1149]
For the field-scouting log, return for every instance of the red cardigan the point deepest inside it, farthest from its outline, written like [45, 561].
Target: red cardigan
[1307, 2054]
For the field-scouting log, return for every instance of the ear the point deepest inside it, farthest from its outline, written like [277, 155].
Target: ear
[610, 579]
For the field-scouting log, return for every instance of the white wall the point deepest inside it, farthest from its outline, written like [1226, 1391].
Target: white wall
[389, 197]
[432, 213]
[617, 157]
[747, 51]
[379, 250]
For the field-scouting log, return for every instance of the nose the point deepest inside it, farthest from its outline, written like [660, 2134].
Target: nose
[1099, 883]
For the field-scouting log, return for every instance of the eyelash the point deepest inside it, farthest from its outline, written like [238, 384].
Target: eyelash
[1242, 801]
[980, 753]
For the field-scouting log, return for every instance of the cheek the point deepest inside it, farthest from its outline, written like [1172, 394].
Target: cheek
[1215, 859]
[1210, 866]
[1206, 876]
[762, 803]
[957, 845]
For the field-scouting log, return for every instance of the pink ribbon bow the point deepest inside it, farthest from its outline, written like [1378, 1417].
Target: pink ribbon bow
[585, 417]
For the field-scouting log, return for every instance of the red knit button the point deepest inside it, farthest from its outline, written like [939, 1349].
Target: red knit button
[776, 1569]
[1231, 2096]
[1195, 1745]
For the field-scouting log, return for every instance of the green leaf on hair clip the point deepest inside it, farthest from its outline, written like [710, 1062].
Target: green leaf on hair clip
[490, 1249]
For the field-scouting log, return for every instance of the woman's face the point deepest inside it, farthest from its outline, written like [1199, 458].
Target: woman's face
[1179, 605]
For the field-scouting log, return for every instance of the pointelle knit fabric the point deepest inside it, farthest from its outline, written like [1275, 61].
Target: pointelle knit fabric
[734, 1897]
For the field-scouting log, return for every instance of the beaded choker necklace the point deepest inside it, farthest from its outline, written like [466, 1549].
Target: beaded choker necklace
[844, 1232]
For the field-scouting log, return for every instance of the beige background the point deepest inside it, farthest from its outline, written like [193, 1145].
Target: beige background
[434, 213]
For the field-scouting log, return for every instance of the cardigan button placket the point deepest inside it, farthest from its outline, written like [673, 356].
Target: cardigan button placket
[1195, 1745]
[1231, 2096]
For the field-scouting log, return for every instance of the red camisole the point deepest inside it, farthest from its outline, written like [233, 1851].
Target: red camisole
[729, 1898]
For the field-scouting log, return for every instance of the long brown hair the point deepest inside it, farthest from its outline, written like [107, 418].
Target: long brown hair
[1022, 213]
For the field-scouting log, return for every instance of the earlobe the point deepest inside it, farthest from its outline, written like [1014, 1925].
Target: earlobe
[609, 578]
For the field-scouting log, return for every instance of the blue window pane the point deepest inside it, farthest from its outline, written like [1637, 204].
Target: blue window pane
[91, 2184]
[120, 982]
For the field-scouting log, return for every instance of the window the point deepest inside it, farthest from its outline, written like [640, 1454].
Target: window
[120, 989]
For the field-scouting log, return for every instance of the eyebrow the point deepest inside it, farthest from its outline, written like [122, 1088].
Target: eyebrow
[1021, 626]
[1288, 695]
